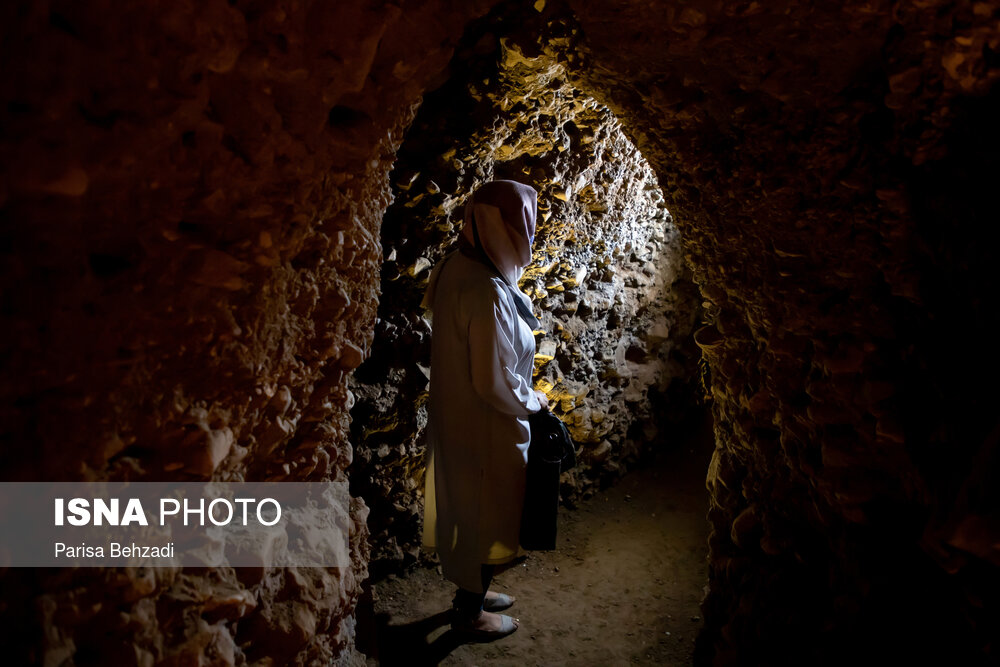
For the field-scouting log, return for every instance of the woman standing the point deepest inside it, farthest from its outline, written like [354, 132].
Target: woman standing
[482, 353]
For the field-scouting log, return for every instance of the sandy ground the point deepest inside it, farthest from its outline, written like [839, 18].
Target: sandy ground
[623, 588]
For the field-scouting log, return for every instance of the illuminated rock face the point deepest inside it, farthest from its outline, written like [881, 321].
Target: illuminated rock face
[191, 204]
[607, 279]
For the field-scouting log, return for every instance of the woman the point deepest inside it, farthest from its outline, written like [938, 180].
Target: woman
[482, 353]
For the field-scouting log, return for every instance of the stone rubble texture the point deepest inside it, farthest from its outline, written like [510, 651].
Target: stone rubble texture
[191, 199]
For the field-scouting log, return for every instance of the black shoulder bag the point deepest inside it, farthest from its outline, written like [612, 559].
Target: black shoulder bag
[551, 451]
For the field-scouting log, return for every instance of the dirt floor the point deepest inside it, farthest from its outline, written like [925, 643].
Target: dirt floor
[623, 588]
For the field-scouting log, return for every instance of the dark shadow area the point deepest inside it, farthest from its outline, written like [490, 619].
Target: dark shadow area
[408, 644]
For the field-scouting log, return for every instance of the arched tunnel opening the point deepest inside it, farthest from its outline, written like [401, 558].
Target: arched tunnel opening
[616, 305]
[615, 351]
[205, 280]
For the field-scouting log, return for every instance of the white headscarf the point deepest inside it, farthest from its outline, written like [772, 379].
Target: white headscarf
[503, 213]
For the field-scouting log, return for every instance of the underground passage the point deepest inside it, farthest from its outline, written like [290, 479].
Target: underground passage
[757, 288]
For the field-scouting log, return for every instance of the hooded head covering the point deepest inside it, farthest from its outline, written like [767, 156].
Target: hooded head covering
[502, 213]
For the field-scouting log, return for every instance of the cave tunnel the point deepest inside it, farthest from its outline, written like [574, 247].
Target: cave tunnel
[614, 353]
[217, 218]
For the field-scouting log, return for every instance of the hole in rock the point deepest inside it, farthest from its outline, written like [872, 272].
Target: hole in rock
[345, 117]
[614, 351]
[105, 265]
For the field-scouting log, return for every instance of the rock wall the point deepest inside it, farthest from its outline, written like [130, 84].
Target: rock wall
[829, 166]
[190, 199]
[607, 278]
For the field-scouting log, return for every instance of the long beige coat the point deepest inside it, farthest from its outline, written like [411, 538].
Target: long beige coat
[480, 397]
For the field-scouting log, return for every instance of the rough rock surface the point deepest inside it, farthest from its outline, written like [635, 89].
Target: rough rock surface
[829, 164]
[190, 200]
[607, 277]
